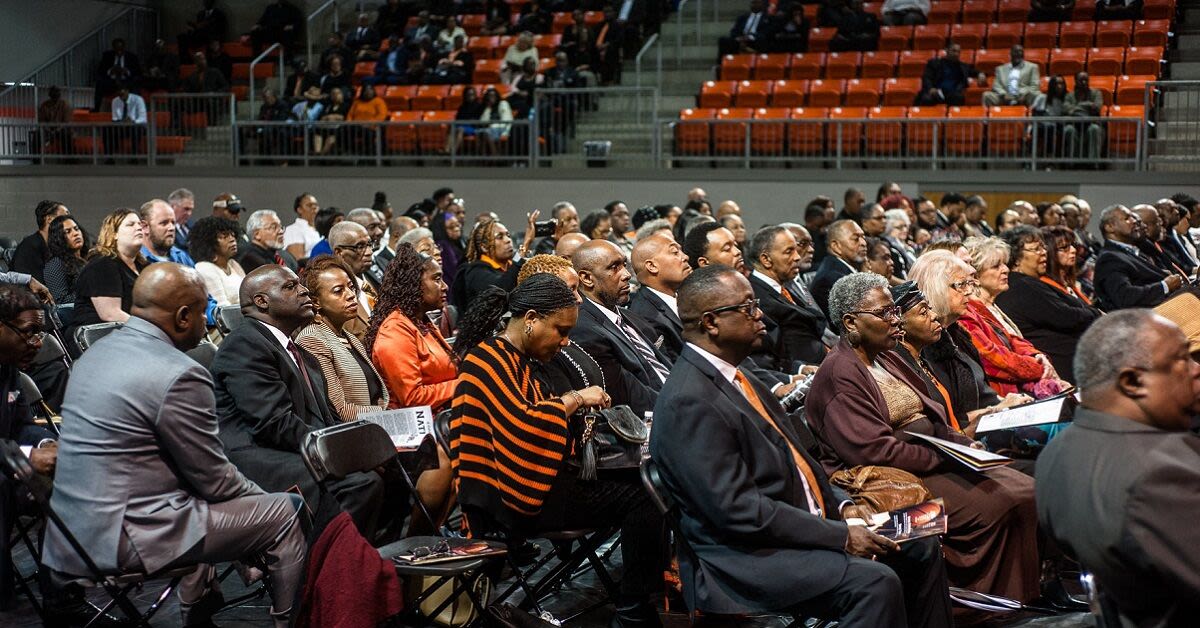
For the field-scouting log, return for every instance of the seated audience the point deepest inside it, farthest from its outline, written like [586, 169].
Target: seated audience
[856, 28]
[142, 478]
[777, 260]
[792, 34]
[447, 234]
[763, 524]
[204, 79]
[458, 64]
[280, 23]
[1007, 219]
[266, 242]
[213, 243]
[946, 78]
[1125, 276]
[623, 344]
[865, 403]
[351, 243]
[847, 247]
[1062, 268]
[710, 243]
[1011, 362]
[363, 39]
[879, 261]
[208, 25]
[566, 220]
[905, 12]
[117, 67]
[32, 251]
[325, 136]
[489, 261]
[515, 56]
[1110, 486]
[500, 366]
[1084, 101]
[309, 106]
[1118, 9]
[1051, 10]
[1015, 82]
[736, 226]
[1047, 317]
[161, 233]
[660, 266]
[270, 393]
[497, 116]
[1152, 243]
[104, 288]
[896, 226]
[325, 219]
[751, 32]
[597, 225]
[68, 246]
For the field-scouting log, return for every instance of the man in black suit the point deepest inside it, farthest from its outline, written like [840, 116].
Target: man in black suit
[847, 246]
[776, 258]
[281, 22]
[1124, 276]
[1154, 245]
[209, 25]
[660, 267]
[750, 32]
[1176, 240]
[271, 393]
[265, 231]
[363, 39]
[117, 67]
[945, 79]
[765, 529]
[622, 344]
[1117, 513]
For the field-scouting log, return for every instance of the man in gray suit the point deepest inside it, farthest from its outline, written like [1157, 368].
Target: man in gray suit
[143, 481]
[1128, 518]
[1015, 83]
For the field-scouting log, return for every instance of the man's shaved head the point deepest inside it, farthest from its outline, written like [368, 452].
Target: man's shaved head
[275, 295]
[591, 254]
[647, 248]
[569, 243]
[174, 299]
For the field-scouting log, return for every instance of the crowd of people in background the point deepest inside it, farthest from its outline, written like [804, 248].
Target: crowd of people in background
[797, 356]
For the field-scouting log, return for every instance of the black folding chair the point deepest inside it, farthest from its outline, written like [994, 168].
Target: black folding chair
[117, 584]
[229, 318]
[87, 335]
[333, 453]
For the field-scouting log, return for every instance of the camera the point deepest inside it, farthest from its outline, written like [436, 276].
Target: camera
[545, 228]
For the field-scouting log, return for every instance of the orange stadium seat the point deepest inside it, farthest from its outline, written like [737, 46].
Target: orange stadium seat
[912, 62]
[752, 94]
[1012, 10]
[729, 138]
[1068, 61]
[1113, 33]
[487, 71]
[806, 134]
[1085, 10]
[1103, 61]
[1076, 34]
[398, 96]
[767, 138]
[1107, 86]
[901, 91]
[1131, 89]
[1039, 56]
[818, 38]
[481, 47]
[979, 11]
[593, 18]
[842, 65]
[692, 132]
[237, 50]
[1040, 35]
[805, 65]
[987, 60]
[885, 138]
[1123, 129]
[924, 124]
[502, 44]
[788, 93]
[1151, 32]
[873, 8]
[930, 36]
[717, 94]
[453, 99]
[429, 97]
[944, 11]
[1004, 36]
[1044, 82]
[431, 138]
[547, 44]
[847, 135]
[826, 93]
[1006, 139]
[1144, 60]
[969, 36]
[1158, 9]
[770, 67]
[863, 92]
[402, 138]
[894, 37]
[362, 69]
[473, 23]
[736, 67]
[879, 64]
[561, 21]
[966, 137]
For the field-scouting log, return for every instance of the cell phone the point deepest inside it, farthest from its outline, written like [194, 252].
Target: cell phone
[545, 228]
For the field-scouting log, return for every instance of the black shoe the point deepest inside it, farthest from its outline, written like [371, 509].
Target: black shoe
[1055, 596]
[638, 615]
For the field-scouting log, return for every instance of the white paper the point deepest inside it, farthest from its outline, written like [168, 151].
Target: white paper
[981, 455]
[407, 426]
[1037, 413]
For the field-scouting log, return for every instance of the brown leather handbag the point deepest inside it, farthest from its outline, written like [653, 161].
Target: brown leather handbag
[881, 489]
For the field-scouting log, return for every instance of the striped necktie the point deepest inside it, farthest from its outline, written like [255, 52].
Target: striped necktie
[643, 349]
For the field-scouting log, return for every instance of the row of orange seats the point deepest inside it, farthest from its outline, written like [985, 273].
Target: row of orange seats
[911, 63]
[975, 11]
[1122, 90]
[419, 138]
[996, 35]
[434, 97]
[911, 131]
[473, 22]
[494, 46]
[486, 70]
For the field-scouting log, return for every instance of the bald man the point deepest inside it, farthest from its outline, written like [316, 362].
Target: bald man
[569, 243]
[271, 393]
[625, 347]
[143, 481]
[660, 266]
[847, 247]
[728, 208]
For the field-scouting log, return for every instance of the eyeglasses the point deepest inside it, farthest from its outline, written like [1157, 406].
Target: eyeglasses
[749, 308]
[30, 337]
[966, 286]
[365, 246]
[441, 547]
[891, 312]
[1037, 248]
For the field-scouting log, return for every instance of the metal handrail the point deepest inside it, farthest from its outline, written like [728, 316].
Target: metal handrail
[309, 22]
[282, 72]
[637, 62]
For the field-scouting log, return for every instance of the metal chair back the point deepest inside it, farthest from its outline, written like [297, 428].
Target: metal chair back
[334, 452]
[229, 318]
[88, 335]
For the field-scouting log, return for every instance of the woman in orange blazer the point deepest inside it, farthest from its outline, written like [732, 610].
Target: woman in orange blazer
[416, 363]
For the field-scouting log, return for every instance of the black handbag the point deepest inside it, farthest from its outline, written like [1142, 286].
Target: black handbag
[610, 438]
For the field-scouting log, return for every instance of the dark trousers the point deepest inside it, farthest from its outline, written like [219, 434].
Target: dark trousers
[907, 588]
[953, 99]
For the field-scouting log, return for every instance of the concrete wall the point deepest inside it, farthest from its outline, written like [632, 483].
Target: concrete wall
[33, 31]
[767, 196]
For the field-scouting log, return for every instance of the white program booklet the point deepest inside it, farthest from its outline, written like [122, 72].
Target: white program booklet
[407, 426]
[1035, 413]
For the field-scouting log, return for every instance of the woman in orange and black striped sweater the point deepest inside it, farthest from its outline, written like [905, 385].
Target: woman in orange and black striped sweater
[509, 440]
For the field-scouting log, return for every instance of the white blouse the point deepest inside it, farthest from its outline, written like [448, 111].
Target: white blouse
[221, 285]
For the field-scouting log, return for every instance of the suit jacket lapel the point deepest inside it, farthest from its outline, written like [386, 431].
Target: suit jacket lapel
[298, 391]
[608, 327]
[666, 312]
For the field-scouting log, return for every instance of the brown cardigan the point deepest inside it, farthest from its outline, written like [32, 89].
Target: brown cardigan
[349, 393]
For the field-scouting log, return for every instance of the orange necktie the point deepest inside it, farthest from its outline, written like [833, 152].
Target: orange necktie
[801, 463]
[787, 297]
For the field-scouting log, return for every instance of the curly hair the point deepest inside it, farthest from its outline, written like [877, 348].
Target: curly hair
[106, 242]
[400, 292]
[319, 264]
[56, 243]
[545, 263]
[592, 221]
[202, 240]
[541, 293]
[480, 242]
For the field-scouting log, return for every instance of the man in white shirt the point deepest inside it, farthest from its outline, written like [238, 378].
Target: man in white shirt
[129, 124]
[301, 236]
[1015, 83]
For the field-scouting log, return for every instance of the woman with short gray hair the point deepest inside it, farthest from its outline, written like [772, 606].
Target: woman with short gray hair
[864, 406]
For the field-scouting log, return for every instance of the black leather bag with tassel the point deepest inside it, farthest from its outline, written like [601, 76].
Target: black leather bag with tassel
[609, 438]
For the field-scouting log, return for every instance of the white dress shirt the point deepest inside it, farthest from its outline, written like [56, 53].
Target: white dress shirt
[300, 232]
[667, 298]
[282, 339]
[136, 109]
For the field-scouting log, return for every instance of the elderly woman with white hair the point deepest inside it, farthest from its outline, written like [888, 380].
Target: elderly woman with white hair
[864, 406]
[896, 226]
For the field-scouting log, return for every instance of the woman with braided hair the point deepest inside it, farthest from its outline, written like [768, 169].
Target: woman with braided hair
[490, 261]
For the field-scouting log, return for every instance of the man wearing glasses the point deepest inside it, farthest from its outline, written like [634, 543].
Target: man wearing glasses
[352, 244]
[765, 528]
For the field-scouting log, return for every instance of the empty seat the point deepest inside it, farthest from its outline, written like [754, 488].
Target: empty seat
[863, 92]
[561, 21]
[1107, 85]
[717, 94]
[398, 96]
[901, 91]
[873, 8]
[1039, 57]
[241, 71]
[769, 67]
[481, 47]
[805, 65]
[1151, 32]
[924, 129]
[892, 37]
[432, 138]
[1111, 33]
[429, 97]
[818, 38]
[825, 93]
[930, 36]
[237, 50]
[944, 11]
[1006, 138]
[547, 44]
[1122, 131]
[969, 36]
[502, 44]
[885, 138]
[732, 138]
[454, 98]
[402, 138]
[788, 93]
[1131, 89]
[964, 130]
[766, 137]
[737, 67]
[752, 94]
[1158, 9]
[1012, 10]
[362, 69]
[1143, 60]
[473, 23]
[487, 71]
[692, 132]
[806, 131]
[979, 11]
[879, 64]
[1005, 36]
[1103, 61]
[842, 65]
[1076, 34]
[1040, 35]
[1068, 61]
[1084, 11]
[846, 137]
[987, 60]
[912, 62]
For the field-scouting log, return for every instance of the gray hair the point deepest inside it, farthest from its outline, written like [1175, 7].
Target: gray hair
[256, 220]
[894, 219]
[1110, 215]
[652, 227]
[1111, 344]
[363, 212]
[343, 231]
[848, 294]
[763, 241]
[413, 236]
[696, 222]
[559, 206]
[932, 273]
[180, 195]
[987, 253]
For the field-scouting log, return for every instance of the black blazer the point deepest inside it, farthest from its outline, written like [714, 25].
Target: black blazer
[109, 58]
[761, 31]
[754, 544]
[652, 309]
[831, 269]
[800, 328]
[631, 381]
[1175, 250]
[934, 68]
[1123, 280]
[474, 277]
[1049, 319]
